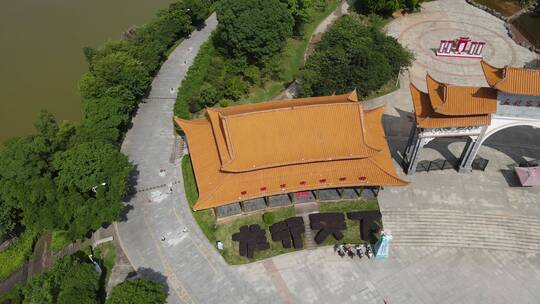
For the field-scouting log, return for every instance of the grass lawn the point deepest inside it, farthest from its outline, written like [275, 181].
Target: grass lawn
[293, 57]
[59, 240]
[225, 231]
[106, 253]
[387, 88]
[17, 254]
[205, 218]
[352, 234]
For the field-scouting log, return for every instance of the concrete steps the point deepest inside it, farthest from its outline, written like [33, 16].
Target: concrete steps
[309, 238]
[451, 228]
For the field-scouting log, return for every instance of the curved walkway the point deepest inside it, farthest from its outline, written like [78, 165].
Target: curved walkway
[195, 273]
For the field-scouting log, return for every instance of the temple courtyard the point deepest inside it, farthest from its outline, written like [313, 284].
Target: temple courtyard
[458, 238]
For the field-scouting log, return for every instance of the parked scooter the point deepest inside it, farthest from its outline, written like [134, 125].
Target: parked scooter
[359, 251]
[341, 251]
[350, 251]
[369, 252]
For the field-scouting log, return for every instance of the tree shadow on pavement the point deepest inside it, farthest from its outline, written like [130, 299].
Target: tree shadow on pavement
[132, 183]
[150, 274]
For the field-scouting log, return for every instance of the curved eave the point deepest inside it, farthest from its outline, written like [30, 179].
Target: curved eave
[436, 92]
[207, 202]
[493, 75]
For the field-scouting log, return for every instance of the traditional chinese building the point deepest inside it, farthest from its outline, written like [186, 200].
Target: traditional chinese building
[475, 113]
[255, 156]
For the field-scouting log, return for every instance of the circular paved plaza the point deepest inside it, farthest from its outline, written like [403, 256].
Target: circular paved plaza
[196, 273]
[449, 20]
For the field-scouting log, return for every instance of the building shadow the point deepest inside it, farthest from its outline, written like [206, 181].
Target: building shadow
[533, 64]
[519, 143]
[510, 176]
[397, 129]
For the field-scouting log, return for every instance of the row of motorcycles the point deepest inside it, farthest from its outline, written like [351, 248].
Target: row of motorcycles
[351, 251]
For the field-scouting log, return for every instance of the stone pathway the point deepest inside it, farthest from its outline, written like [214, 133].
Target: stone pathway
[304, 210]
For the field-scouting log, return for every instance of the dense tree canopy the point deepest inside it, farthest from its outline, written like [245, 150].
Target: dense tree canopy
[353, 54]
[301, 11]
[386, 7]
[68, 281]
[124, 70]
[47, 179]
[138, 291]
[254, 28]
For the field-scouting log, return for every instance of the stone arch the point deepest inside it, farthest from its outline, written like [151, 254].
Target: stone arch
[498, 123]
[508, 123]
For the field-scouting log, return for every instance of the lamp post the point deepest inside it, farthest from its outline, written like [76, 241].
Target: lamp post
[96, 265]
[94, 189]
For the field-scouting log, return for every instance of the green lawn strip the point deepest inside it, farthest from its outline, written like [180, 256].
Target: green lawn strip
[17, 253]
[293, 57]
[194, 78]
[225, 231]
[106, 253]
[59, 240]
[352, 233]
[387, 88]
[205, 218]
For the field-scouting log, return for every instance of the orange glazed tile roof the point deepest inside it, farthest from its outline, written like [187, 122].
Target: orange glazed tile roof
[517, 81]
[295, 145]
[427, 118]
[459, 100]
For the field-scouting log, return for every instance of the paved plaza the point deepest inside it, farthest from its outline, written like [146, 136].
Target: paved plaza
[196, 273]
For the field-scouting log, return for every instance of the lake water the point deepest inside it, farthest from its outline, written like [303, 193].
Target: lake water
[41, 56]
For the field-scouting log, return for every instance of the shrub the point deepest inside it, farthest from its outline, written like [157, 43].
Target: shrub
[138, 291]
[224, 103]
[269, 218]
[356, 54]
[253, 28]
[16, 254]
[68, 281]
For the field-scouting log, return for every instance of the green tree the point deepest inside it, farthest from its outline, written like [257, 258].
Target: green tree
[138, 291]
[89, 164]
[122, 69]
[253, 28]
[209, 95]
[91, 178]
[79, 285]
[354, 53]
[103, 118]
[301, 11]
[26, 183]
[91, 86]
[68, 281]
[198, 10]
[8, 218]
[383, 7]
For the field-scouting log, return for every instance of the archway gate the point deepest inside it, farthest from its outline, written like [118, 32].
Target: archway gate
[513, 99]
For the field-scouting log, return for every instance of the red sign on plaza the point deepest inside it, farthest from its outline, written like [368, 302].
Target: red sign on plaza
[462, 47]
